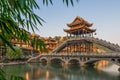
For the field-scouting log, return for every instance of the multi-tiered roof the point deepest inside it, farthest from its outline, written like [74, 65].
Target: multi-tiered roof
[79, 26]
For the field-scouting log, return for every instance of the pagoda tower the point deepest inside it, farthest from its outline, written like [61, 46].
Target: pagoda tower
[80, 28]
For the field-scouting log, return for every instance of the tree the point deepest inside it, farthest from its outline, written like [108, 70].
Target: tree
[20, 13]
[15, 14]
[17, 54]
[57, 38]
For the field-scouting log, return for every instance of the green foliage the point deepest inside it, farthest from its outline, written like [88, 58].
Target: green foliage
[16, 78]
[36, 44]
[2, 75]
[11, 54]
[12, 77]
[15, 13]
[67, 2]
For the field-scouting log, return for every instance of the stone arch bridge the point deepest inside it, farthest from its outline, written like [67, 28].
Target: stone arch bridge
[81, 58]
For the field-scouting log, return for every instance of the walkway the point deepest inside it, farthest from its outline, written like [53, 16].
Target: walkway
[111, 46]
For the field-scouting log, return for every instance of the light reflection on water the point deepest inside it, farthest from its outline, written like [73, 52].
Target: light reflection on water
[107, 67]
[27, 76]
[37, 71]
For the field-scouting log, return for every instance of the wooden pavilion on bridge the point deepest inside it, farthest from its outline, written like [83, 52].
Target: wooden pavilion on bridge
[80, 28]
[77, 29]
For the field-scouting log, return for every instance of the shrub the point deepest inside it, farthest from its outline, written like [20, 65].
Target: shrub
[14, 54]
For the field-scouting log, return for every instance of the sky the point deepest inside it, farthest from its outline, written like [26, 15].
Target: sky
[104, 14]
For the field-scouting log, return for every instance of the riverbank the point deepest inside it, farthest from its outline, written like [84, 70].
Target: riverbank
[12, 63]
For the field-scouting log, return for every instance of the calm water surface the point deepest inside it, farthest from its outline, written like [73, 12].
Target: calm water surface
[37, 71]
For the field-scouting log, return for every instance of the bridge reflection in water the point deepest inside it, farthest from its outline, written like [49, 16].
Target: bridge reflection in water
[71, 72]
[38, 71]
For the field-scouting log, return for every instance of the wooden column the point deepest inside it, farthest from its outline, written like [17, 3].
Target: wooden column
[67, 35]
[70, 47]
[74, 47]
[67, 47]
[80, 47]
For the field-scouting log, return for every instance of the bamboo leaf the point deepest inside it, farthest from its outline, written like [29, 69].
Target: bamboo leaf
[2, 75]
[51, 2]
[43, 1]
[6, 42]
[72, 2]
[67, 2]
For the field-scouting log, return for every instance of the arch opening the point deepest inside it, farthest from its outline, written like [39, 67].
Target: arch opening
[113, 59]
[56, 61]
[73, 61]
[43, 60]
[102, 62]
[118, 60]
[97, 63]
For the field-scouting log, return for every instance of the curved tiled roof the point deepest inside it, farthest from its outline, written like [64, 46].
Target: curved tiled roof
[79, 26]
[78, 20]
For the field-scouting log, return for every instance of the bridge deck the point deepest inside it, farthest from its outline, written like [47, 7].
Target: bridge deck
[109, 55]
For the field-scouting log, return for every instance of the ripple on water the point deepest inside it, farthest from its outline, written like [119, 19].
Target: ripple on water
[112, 70]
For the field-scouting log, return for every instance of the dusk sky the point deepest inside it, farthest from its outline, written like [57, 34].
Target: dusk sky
[104, 14]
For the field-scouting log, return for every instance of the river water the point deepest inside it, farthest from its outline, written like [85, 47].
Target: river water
[38, 71]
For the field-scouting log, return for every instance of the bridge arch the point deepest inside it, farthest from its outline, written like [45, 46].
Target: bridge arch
[57, 60]
[118, 60]
[73, 61]
[91, 62]
[43, 59]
